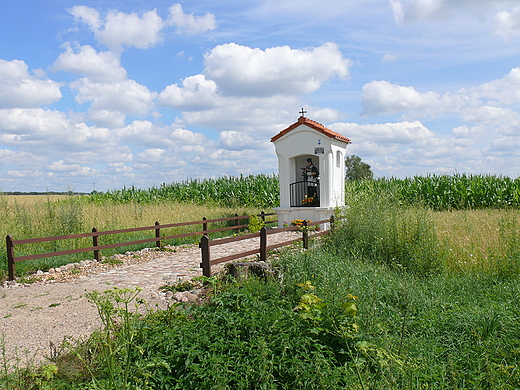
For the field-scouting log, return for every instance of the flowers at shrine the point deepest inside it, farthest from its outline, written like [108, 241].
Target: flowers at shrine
[299, 222]
[308, 200]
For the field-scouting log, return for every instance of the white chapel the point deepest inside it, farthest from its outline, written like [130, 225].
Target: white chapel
[311, 170]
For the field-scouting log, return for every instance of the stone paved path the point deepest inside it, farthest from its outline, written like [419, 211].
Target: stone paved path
[33, 316]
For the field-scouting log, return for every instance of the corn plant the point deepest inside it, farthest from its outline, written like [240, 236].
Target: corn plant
[252, 190]
[447, 192]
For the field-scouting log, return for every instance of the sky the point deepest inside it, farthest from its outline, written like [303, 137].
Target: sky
[98, 95]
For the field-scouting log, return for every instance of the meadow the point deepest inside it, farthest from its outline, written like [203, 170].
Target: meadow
[46, 216]
[403, 295]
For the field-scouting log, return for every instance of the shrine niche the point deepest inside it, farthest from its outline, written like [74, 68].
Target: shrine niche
[311, 170]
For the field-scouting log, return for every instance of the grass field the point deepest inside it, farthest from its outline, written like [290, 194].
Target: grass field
[402, 296]
[42, 216]
[32, 199]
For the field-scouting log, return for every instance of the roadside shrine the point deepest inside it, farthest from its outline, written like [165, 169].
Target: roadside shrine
[303, 194]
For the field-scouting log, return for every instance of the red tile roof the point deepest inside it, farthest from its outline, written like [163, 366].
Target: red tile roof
[313, 125]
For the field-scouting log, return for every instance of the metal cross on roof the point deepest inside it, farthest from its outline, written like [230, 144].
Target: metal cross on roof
[303, 112]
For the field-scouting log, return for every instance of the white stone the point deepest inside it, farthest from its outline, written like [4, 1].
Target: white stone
[191, 297]
[178, 296]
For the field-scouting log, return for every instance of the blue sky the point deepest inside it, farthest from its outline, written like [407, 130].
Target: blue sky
[106, 94]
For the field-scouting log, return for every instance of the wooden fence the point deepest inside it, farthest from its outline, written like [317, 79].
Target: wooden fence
[206, 243]
[96, 248]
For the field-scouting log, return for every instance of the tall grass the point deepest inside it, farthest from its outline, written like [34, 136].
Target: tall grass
[46, 217]
[381, 228]
[444, 331]
[434, 288]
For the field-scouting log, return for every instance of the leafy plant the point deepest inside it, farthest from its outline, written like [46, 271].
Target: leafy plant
[255, 224]
[116, 340]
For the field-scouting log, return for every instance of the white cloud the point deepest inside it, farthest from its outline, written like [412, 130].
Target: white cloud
[507, 23]
[196, 93]
[19, 89]
[120, 168]
[88, 15]
[243, 71]
[36, 130]
[119, 30]
[60, 167]
[503, 145]
[187, 137]
[389, 58]
[418, 9]
[248, 114]
[235, 140]
[397, 8]
[189, 24]
[415, 10]
[12, 157]
[382, 97]
[479, 104]
[111, 101]
[25, 174]
[401, 132]
[490, 115]
[146, 134]
[503, 91]
[34, 124]
[85, 61]
[106, 118]
[151, 155]
[469, 132]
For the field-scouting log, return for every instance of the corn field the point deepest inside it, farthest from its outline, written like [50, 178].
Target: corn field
[252, 190]
[438, 192]
[446, 192]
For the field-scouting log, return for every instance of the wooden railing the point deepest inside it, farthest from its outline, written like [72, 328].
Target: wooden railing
[96, 248]
[306, 228]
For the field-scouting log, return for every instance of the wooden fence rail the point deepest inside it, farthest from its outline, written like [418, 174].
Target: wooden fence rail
[96, 248]
[206, 243]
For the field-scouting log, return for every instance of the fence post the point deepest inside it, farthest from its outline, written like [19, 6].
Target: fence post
[204, 248]
[263, 244]
[332, 224]
[262, 215]
[10, 257]
[157, 235]
[95, 243]
[305, 235]
[237, 230]
[204, 225]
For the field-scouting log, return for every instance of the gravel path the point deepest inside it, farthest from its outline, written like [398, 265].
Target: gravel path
[34, 315]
